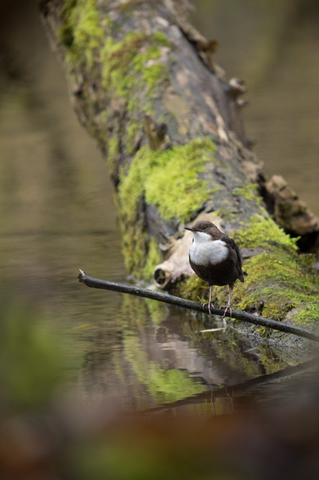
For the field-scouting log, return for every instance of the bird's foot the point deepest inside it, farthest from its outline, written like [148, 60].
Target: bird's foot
[209, 305]
[227, 307]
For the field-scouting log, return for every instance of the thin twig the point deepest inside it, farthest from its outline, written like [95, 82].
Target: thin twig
[197, 307]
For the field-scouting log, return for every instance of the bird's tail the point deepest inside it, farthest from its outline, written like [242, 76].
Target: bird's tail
[243, 274]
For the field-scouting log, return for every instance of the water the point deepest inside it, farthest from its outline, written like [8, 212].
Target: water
[57, 216]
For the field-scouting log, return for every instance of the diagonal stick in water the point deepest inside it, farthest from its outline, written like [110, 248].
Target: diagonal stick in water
[197, 307]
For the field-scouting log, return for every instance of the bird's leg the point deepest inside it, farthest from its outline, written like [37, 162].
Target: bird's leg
[227, 307]
[209, 304]
[210, 300]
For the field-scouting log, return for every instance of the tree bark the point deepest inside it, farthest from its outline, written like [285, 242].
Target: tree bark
[144, 83]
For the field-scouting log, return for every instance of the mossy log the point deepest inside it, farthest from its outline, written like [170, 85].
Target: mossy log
[144, 83]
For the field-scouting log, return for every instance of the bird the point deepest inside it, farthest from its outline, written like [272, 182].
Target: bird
[215, 258]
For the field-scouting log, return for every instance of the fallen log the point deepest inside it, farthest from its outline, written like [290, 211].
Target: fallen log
[145, 84]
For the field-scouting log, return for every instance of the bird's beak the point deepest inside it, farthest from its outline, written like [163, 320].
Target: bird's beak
[189, 228]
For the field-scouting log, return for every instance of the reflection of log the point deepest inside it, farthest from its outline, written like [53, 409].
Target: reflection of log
[144, 84]
[238, 389]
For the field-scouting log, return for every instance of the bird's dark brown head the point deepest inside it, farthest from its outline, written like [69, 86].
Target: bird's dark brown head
[206, 227]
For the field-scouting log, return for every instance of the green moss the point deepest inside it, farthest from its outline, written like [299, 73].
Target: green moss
[125, 65]
[309, 313]
[280, 277]
[162, 39]
[131, 133]
[263, 232]
[116, 59]
[153, 73]
[167, 179]
[249, 192]
[113, 150]
[134, 246]
[154, 257]
[81, 31]
[194, 288]
[113, 145]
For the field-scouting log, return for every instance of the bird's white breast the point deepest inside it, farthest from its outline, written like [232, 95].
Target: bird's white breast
[205, 251]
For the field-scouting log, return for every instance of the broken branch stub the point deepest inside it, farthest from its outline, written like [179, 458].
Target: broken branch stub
[177, 265]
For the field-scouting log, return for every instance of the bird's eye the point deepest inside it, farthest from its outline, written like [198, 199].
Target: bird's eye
[205, 226]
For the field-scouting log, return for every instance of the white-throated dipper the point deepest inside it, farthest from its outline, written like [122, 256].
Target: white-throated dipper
[215, 258]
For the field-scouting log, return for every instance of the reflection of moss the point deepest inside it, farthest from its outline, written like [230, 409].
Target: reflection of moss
[164, 385]
[230, 348]
[136, 312]
[157, 311]
[133, 313]
[169, 180]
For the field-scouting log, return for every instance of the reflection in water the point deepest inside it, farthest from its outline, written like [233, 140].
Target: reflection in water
[56, 217]
[155, 363]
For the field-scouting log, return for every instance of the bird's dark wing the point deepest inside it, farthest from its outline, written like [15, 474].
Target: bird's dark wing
[235, 247]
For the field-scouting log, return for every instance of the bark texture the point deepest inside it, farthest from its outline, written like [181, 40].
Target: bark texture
[144, 83]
